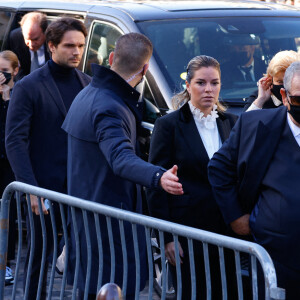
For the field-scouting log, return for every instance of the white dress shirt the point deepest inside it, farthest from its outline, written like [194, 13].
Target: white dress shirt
[41, 55]
[294, 128]
[208, 129]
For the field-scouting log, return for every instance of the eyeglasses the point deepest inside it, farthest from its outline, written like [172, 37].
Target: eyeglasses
[295, 100]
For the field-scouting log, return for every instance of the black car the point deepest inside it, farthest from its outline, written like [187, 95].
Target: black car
[179, 30]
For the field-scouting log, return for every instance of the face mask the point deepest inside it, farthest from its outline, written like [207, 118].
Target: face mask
[241, 58]
[7, 77]
[276, 91]
[295, 112]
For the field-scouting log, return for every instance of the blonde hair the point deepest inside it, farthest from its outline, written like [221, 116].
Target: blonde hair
[11, 57]
[281, 61]
[196, 63]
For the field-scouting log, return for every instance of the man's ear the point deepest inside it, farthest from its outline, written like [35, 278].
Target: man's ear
[145, 68]
[284, 97]
[51, 47]
[111, 58]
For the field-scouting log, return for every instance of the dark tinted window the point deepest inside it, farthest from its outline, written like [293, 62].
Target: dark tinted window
[228, 40]
[4, 19]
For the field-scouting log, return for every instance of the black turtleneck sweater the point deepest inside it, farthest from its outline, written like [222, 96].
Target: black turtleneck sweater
[66, 81]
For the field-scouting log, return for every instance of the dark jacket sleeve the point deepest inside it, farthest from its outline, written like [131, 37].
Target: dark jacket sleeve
[116, 145]
[223, 175]
[17, 133]
[161, 149]
[250, 100]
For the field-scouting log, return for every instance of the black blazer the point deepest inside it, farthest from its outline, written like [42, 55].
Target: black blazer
[18, 46]
[176, 140]
[36, 145]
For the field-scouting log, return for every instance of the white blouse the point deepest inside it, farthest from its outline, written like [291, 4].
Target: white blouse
[207, 128]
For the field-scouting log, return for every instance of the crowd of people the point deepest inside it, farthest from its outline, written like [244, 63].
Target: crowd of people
[207, 168]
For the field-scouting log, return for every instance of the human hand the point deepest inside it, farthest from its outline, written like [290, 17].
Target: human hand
[2, 78]
[170, 253]
[241, 225]
[4, 91]
[264, 91]
[35, 205]
[169, 182]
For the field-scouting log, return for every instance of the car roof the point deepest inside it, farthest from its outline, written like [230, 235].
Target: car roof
[156, 10]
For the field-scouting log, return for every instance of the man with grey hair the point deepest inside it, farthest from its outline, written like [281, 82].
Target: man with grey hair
[255, 180]
[28, 42]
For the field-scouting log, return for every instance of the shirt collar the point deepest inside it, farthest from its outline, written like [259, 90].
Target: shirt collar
[294, 128]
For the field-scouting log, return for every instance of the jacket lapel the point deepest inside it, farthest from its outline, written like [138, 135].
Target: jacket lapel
[52, 89]
[191, 136]
[223, 127]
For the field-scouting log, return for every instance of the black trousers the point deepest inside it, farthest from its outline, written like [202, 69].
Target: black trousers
[38, 251]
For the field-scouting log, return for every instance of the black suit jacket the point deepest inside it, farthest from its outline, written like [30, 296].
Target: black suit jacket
[35, 143]
[18, 46]
[176, 140]
[237, 169]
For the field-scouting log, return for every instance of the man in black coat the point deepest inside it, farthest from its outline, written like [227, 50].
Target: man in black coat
[28, 43]
[35, 143]
[243, 65]
[103, 162]
[255, 180]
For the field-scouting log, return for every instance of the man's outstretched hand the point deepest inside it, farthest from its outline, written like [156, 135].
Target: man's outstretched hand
[169, 182]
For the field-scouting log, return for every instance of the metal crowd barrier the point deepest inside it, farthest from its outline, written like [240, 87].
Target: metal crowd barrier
[256, 252]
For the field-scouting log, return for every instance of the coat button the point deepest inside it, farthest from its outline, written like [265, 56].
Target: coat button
[157, 174]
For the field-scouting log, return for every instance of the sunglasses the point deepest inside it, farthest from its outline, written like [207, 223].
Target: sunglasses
[295, 100]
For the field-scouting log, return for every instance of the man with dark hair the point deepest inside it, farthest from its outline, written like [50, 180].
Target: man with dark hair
[103, 165]
[255, 180]
[35, 143]
[28, 43]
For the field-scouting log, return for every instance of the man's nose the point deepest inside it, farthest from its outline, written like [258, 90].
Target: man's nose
[76, 51]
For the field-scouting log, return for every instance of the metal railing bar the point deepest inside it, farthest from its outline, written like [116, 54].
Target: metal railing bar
[32, 245]
[100, 251]
[178, 268]
[54, 232]
[192, 268]
[223, 273]
[124, 254]
[77, 246]
[20, 242]
[207, 271]
[238, 274]
[137, 261]
[254, 277]
[66, 239]
[163, 264]
[112, 250]
[150, 261]
[89, 254]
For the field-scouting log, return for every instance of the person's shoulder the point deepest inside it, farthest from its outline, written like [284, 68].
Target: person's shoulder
[17, 32]
[262, 115]
[170, 117]
[228, 115]
[84, 75]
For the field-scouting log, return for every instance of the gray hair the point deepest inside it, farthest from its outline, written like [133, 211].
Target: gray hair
[290, 72]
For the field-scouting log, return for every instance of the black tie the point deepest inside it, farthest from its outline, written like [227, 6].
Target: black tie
[247, 71]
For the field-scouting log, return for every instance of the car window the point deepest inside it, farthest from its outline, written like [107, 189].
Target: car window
[229, 40]
[101, 44]
[4, 20]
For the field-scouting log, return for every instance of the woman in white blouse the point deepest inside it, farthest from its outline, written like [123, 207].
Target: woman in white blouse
[188, 138]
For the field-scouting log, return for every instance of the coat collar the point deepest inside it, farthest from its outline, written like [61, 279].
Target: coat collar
[49, 83]
[105, 78]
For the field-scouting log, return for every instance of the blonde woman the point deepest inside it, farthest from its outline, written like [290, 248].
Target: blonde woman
[268, 94]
